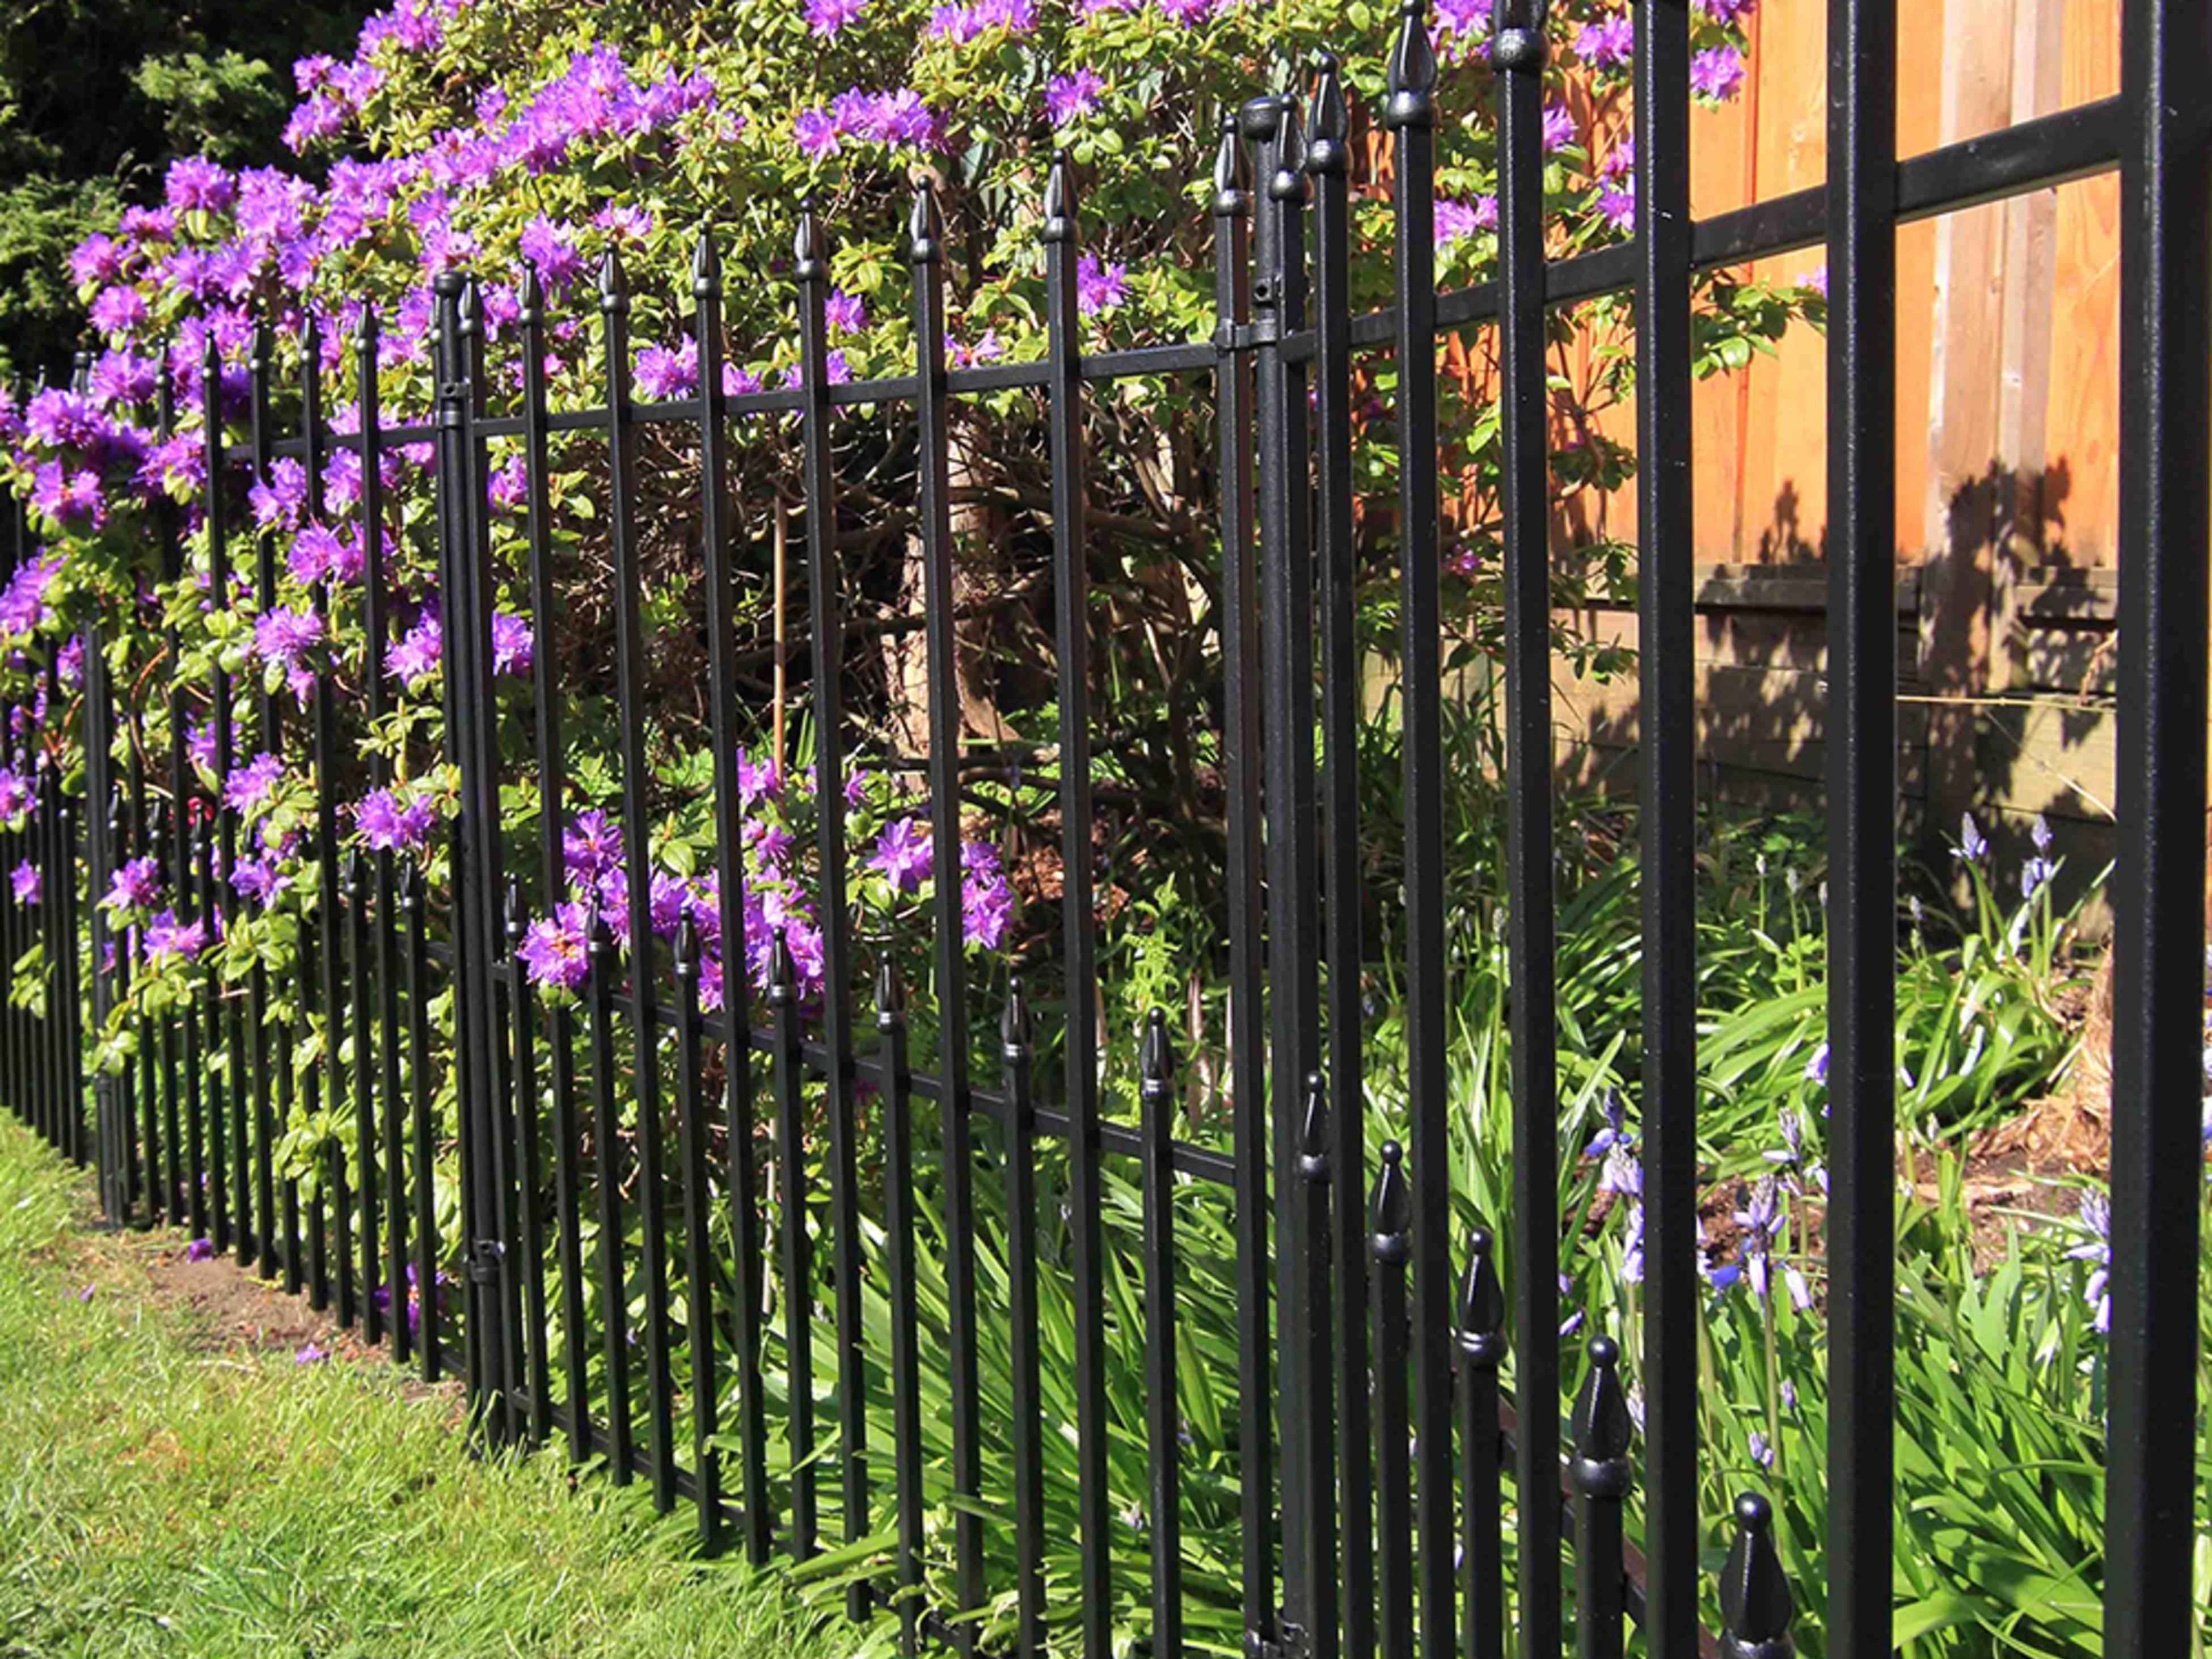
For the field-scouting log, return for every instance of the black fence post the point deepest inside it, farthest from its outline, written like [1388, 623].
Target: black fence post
[1756, 1607]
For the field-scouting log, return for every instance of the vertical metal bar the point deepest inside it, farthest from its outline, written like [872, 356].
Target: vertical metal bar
[2165, 342]
[637, 849]
[1293, 934]
[1601, 1476]
[1410, 113]
[180, 793]
[98, 718]
[1241, 745]
[607, 1174]
[1862, 742]
[207, 1026]
[328, 925]
[1390, 1249]
[364, 1097]
[376, 621]
[1516, 54]
[1163, 1403]
[1668, 823]
[429, 1332]
[162, 844]
[272, 1052]
[698, 1245]
[899, 1195]
[825, 615]
[530, 1227]
[1482, 1544]
[796, 1249]
[1026, 1431]
[1078, 915]
[552, 782]
[117, 950]
[717, 530]
[1327, 161]
[932, 442]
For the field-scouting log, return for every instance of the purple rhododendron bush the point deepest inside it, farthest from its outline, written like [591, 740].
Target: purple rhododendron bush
[546, 142]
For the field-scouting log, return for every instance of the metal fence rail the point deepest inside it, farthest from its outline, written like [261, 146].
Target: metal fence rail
[1375, 1444]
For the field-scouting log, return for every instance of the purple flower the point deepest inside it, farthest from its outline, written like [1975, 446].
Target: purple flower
[1716, 73]
[555, 950]
[309, 1354]
[69, 497]
[2096, 1216]
[419, 652]
[166, 937]
[317, 552]
[591, 844]
[258, 879]
[1066, 96]
[826, 17]
[278, 500]
[1761, 1453]
[29, 882]
[1619, 207]
[135, 886]
[197, 185]
[1723, 12]
[249, 786]
[1454, 222]
[1608, 43]
[664, 375]
[856, 787]
[844, 313]
[963, 23]
[986, 902]
[512, 644]
[1616, 1132]
[1559, 127]
[1816, 1068]
[549, 245]
[1973, 847]
[756, 779]
[815, 133]
[2039, 833]
[1099, 286]
[118, 310]
[284, 636]
[903, 854]
[200, 1250]
[1620, 1173]
[389, 824]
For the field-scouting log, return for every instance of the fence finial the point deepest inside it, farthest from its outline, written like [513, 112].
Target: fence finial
[1756, 1608]
[1516, 34]
[1058, 202]
[891, 996]
[1014, 1023]
[310, 334]
[1289, 184]
[265, 349]
[1156, 1059]
[410, 885]
[614, 283]
[1313, 1131]
[808, 248]
[516, 915]
[1411, 102]
[687, 948]
[780, 988]
[1481, 1302]
[1603, 1429]
[1325, 146]
[532, 307]
[472, 320]
[211, 361]
[349, 874]
[925, 225]
[1229, 200]
[706, 264]
[1392, 1210]
[365, 328]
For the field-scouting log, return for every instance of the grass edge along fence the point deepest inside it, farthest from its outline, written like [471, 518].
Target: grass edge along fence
[1374, 1439]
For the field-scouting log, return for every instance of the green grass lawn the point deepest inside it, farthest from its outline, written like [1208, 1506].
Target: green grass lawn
[162, 1492]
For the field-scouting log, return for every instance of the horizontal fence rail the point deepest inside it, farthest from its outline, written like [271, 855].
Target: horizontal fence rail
[670, 1219]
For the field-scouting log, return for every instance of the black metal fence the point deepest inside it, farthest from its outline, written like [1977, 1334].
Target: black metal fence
[1374, 1442]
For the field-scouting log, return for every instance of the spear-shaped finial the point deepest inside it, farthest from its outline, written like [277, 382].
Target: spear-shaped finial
[808, 251]
[891, 996]
[614, 283]
[349, 872]
[1325, 148]
[1058, 202]
[1756, 1607]
[781, 991]
[531, 307]
[1313, 1131]
[1229, 198]
[706, 264]
[1156, 1058]
[365, 328]
[472, 317]
[925, 225]
[1411, 102]
[1516, 34]
[1014, 1023]
[1602, 1424]
[1289, 184]
[410, 883]
[1391, 1212]
[517, 918]
[687, 948]
[1481, 1302]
